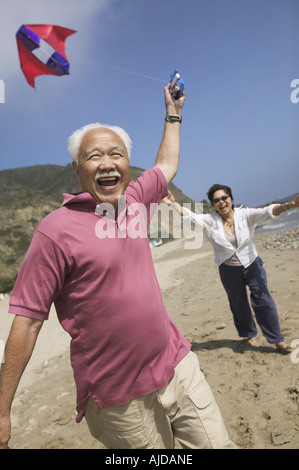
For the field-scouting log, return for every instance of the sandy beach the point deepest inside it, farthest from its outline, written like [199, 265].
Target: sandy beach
[256, 389]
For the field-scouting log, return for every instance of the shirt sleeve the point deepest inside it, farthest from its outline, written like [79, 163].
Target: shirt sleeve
[150, 187]
[256, 216]
[39, 280]
[202, 220]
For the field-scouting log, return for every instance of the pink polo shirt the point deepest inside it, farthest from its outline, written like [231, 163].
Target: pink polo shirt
[100, 275]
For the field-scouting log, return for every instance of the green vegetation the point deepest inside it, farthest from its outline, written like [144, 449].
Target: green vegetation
[26, 196]
[6, 284]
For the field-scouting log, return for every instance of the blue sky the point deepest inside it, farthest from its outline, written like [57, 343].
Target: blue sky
[237, 58]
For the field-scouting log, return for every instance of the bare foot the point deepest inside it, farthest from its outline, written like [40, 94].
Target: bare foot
[252, 341]
[283, 348]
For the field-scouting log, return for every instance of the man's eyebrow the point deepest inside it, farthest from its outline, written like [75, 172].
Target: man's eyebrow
[98, 148]
[90, 149]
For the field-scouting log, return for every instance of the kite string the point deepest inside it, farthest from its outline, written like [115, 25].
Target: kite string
[121, 69]
[45, 51]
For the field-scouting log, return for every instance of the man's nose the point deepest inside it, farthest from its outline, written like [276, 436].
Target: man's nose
[106, 163]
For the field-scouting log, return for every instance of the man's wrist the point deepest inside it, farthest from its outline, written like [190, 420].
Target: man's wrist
[173, 118]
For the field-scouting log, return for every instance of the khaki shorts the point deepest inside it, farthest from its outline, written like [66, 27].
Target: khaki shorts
[183, 414]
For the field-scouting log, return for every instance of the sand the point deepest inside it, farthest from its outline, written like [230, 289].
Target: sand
[257, 389]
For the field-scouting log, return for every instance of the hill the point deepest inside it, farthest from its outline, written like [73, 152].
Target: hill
[26, 196]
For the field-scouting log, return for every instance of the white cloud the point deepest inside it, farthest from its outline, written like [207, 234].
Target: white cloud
[79, 15]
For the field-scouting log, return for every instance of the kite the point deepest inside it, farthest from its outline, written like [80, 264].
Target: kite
[42, 50]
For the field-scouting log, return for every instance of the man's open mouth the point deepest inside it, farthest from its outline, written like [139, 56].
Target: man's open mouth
[108, 181]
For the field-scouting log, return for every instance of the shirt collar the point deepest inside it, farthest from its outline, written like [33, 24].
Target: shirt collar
[85, 199]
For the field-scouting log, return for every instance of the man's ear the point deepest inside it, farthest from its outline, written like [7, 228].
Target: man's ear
[76, 168]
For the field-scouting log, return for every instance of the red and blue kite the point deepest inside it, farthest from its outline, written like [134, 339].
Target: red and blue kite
[38, 41]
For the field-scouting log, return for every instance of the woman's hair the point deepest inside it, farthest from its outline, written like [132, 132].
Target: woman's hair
[75, 139]
[217, 187]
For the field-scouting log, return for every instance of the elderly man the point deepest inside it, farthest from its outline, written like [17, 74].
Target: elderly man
[138, 384]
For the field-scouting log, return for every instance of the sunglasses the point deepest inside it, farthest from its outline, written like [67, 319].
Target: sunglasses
[218, 199]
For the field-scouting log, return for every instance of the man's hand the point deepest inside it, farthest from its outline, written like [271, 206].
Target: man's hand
[4, 431]
[173, 106]
[18, 350]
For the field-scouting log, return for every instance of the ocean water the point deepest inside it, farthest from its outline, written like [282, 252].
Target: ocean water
[285, 221]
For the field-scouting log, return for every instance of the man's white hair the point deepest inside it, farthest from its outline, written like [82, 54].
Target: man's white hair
[74, 141]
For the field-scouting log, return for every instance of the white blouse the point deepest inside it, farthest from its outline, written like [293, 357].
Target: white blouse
[245, 220]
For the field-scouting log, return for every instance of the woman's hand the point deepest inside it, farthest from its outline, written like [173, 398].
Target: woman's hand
[295, 202]
[169, 199]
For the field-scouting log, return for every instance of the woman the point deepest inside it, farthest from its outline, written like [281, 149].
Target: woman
[230, 230]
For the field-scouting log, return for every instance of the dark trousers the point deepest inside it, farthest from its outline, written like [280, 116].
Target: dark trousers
[235, 279]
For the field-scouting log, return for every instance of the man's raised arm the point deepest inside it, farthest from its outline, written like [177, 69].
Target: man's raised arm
[169, 152]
